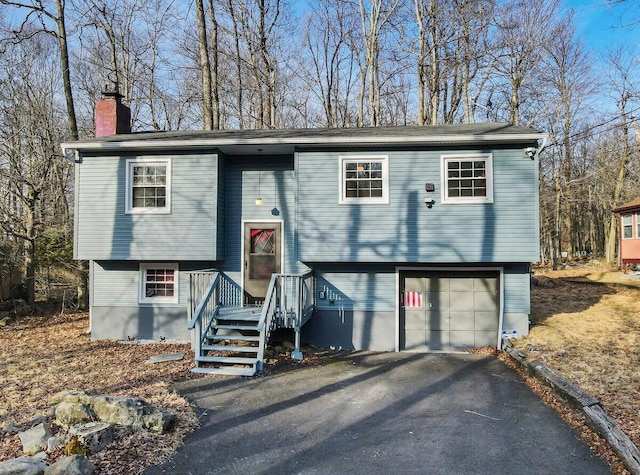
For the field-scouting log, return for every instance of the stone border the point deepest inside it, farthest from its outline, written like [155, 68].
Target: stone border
[596, 418]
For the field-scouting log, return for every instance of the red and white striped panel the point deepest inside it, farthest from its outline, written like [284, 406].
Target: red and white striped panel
[412, 298]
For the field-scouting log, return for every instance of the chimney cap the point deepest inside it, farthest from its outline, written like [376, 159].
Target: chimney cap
[106, 93]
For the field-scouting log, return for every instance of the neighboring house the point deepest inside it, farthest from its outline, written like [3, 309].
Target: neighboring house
[629, 214]
[411, 238]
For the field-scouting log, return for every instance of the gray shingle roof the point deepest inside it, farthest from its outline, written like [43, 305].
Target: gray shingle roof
[288, 139]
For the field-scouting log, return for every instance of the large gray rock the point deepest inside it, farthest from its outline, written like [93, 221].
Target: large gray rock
[22, 466]
[159, 422]
[93, 436]
[73, 465]
[78, 408]
[34, 440]
[71, 413]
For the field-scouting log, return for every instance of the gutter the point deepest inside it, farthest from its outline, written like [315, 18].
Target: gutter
[160, 144]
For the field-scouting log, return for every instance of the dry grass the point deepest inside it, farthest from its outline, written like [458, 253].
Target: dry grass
[42, 355]
[590, 333]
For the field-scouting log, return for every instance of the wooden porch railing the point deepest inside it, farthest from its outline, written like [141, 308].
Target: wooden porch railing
[289, 303]
[204, 303]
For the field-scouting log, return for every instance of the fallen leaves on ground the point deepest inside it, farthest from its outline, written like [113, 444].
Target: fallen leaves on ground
[590, 334]
[43, 355]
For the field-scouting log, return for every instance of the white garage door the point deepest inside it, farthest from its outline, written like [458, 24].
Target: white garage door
[449, 310]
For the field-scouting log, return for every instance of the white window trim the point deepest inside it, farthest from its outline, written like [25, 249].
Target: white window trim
[637, 223]
[142, 274]
[487, 157]
[622, 224]
[131, 162]
[385, 179]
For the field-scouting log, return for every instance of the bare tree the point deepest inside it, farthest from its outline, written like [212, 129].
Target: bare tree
[205, 68]
[30, 122]
[523, 31]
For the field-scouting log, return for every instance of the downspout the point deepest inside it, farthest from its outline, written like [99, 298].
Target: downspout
[545, 144]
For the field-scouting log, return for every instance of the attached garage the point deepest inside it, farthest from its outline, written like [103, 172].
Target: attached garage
[449, 310]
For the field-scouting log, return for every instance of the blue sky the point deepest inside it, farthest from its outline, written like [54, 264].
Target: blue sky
[607, 26]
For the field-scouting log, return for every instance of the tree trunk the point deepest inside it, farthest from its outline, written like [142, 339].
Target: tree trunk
[205, 67]
[214, 67]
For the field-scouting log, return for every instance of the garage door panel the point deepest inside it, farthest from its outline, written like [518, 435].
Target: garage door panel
[414, 319]
[461, 300]
[414, 284]
[464, 284]
[436, 321]
[485, 301]
[438, 299]
[486, 321]
[485, 338]
[414, 340]
[436, 284]
[461, 320]
[460, 340]
[486, 284]
[436, 340]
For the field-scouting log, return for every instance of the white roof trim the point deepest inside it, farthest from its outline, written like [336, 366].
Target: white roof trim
[302, 140]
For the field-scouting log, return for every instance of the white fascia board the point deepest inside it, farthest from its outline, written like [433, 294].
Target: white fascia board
[302, 140]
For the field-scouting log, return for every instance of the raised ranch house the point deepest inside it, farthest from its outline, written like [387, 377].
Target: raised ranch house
[412, 238]
[629, 215]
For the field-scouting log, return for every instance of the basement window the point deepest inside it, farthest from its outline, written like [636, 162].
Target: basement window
[158, 283]
[148, 186]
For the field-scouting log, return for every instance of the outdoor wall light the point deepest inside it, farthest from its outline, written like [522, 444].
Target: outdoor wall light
[259, 201]
[530, 152]
[429, 202]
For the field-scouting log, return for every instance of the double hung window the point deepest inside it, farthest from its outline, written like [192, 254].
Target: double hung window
[158, 283]
[364, 180]
[148, 186]
[467, 178]
[627, 226]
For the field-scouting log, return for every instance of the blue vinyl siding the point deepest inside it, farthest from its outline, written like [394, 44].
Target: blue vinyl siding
[373, 287]
[105, 231]
[275, 180]
[517, 288]
[405, 230]
[117, 283]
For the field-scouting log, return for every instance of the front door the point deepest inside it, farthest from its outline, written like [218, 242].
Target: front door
[262, 244]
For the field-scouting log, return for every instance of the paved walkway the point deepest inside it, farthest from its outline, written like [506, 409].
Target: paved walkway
[379, 413]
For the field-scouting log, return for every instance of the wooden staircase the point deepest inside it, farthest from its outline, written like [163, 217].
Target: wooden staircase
[232, 344]
[228, 339]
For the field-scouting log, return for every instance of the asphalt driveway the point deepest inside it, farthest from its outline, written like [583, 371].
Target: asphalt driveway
[379, 413]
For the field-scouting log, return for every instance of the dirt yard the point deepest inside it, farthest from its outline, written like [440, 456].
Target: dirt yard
[43, 355]
[585, 325]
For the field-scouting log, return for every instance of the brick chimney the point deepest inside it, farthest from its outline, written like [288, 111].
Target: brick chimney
[112, 116]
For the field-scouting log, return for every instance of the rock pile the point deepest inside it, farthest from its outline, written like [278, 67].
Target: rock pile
[87, 425]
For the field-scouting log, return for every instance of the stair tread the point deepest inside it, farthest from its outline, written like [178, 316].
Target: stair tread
[234, 337]
[240, 313]
[227, 370]
[231, 348]
[232, 326]
[227, 359]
